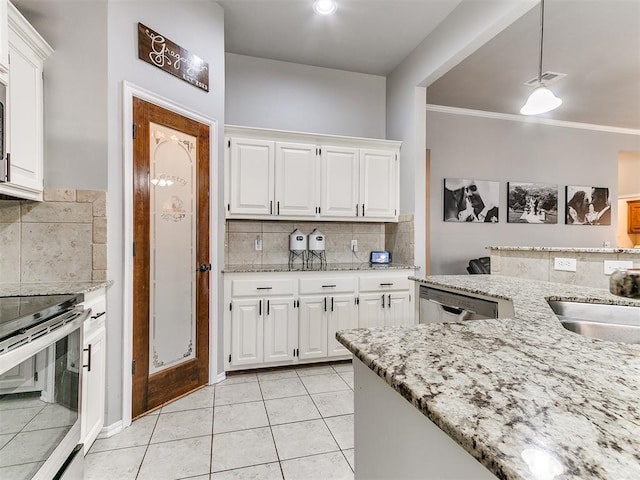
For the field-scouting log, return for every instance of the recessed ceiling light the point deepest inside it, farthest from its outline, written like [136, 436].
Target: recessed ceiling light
[324, 7]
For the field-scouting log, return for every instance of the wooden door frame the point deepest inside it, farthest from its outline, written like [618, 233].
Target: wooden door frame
[129, 91]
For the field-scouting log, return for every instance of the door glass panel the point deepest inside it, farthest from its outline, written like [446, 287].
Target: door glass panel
[172, 276]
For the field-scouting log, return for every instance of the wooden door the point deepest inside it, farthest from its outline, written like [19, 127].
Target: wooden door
[171, 235]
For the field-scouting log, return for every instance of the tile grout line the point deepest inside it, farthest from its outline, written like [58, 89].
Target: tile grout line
[273, 438]
[146, 448]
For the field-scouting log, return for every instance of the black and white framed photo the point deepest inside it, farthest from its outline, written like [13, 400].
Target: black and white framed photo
[467, 200]
[532, 202]
[588, 205]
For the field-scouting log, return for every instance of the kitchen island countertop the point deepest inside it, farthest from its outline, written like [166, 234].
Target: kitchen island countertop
[522, 393]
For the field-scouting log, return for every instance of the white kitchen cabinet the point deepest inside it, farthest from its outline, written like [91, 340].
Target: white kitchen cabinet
[262, 322]
[296, 186]
[22, 175]
[94, 369]
[289, 318]
[4, 42]
[251, 181]
[340, 182]
[311, 177]
[378, 183]
[313, 327]
[386, 299]
[280, 330]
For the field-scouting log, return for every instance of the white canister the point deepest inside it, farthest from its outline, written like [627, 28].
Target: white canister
[297, 241]
[316, 240]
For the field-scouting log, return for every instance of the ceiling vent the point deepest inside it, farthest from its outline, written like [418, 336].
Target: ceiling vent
[547, 77]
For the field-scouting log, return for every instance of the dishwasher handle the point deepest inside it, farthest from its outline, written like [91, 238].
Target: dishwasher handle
[461, 313]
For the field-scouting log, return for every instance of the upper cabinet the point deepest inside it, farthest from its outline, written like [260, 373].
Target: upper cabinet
[4, 43]
[21, 174]
[299, 176]
[633, 216]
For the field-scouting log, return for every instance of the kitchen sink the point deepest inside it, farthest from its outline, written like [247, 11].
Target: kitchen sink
[615, 323]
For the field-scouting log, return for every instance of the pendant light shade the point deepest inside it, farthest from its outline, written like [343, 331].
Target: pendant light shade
[542, 99]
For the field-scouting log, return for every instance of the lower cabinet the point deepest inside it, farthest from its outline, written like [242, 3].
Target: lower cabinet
[94, 370]
[277, 319]
[263, 330]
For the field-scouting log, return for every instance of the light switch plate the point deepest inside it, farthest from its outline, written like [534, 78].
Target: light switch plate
[564, 264]
[611, 265]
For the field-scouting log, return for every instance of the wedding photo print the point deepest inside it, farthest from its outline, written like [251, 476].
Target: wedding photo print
[588, 205]
[471, 200]
[532, 203]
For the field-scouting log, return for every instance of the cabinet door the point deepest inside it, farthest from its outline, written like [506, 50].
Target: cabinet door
[342, 316]
[370, 310]
[633, 219]
[296, 176]
[93, 385]
[25, 116]
[398, 309]
[313, 327]
[339, 182]
[246, 331]
[251, 182]
[280, 330]
[378, 170]
[4, 44]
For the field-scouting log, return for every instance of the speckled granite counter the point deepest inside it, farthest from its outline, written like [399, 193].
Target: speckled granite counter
[568, 249]
[504, 387]
[20, 289]
[330, 267]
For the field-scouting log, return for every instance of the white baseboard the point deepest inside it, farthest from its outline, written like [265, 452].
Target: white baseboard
[111, 430]
[220, 377]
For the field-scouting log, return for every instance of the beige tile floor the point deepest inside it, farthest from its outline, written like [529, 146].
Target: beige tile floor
[294, 423]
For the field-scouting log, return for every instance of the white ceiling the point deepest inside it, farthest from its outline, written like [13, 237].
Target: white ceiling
[365, 36]
[596, 42]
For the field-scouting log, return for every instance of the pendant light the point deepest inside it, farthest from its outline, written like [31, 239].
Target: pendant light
[542, 99]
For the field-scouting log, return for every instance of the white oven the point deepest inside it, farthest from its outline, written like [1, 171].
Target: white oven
[41, 360]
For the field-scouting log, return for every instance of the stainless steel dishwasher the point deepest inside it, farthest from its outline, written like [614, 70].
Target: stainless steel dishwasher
[443, 306]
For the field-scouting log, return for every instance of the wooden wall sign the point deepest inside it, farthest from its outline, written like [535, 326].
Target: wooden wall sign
[161, 52]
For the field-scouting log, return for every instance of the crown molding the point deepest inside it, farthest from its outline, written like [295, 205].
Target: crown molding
[525, 119]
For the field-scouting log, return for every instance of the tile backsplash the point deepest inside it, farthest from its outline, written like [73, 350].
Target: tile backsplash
[241, 236]
[61, 239]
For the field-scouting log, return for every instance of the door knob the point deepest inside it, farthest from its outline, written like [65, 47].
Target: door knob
[204, 267]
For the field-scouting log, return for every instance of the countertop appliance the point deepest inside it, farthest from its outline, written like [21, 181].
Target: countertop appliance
[41, 361]
[443, 306]
[380, 257]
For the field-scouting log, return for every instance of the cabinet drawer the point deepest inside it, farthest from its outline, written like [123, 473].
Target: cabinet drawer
[252, 288]
[368, 284]
[327, 285]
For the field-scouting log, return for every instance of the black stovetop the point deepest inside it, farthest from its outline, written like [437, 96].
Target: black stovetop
[18, 313]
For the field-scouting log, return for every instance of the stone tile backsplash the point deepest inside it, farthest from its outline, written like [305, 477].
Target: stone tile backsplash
[241, 235]
[62, 239]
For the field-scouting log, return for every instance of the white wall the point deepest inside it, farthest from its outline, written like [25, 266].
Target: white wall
[199, 27]
[75, 91]
[288, 96]
[467, 28]
[503, 150]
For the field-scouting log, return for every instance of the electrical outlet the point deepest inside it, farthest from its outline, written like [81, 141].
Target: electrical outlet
[612, 265]
[258, 244]
[564, 264]
[354, 245]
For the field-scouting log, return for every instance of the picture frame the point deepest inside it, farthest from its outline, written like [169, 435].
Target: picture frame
[587, 205]
[534, 203]
[470, 200]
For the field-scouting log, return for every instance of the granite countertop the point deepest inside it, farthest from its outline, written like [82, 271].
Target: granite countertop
[329, 267]
[53, 288]
[509, 390]
[569, 249]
